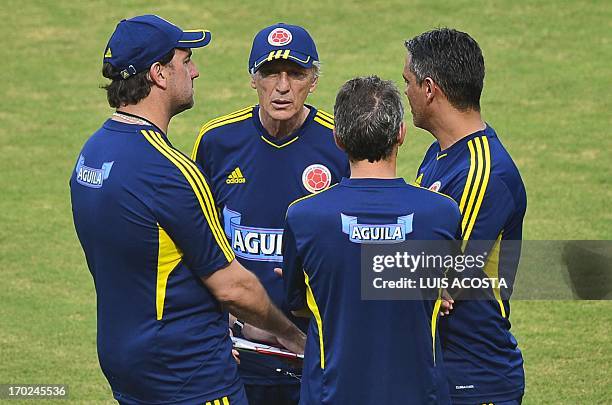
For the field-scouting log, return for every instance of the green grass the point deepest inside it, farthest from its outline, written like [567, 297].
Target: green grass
[547, 93]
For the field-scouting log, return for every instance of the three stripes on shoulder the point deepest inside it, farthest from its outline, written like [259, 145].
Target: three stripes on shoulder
[236, 116]
[325, 119]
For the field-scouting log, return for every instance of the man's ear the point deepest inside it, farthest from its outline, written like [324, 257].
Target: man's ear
[401, 136]
[313, 86]
[339, 143]
[430, 89]
[158, 74]
[253, 82]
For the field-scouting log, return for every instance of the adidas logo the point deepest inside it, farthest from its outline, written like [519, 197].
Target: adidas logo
[235, 177]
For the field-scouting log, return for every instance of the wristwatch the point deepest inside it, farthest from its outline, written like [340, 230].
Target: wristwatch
[237, 327]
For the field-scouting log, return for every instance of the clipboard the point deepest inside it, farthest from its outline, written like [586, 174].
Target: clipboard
[249, 346]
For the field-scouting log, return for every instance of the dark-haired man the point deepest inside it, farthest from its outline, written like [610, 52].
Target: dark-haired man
[261, 158]
[365, 351]
[444, 75]
[146, 220]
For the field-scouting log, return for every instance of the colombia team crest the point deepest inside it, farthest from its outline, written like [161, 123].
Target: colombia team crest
[436, 186]
[279, 37]
[316, 177]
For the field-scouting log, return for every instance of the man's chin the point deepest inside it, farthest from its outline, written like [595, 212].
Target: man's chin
[281, 114]
[183, 107]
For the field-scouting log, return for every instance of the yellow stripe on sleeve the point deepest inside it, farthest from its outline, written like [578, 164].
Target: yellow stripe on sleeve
[434, 322]
[326, 115]
[314, 308]
[193, 172]
[324, 118]
[226, 401]
[168, 257]
[215, 225]
[323, 122]
[237, 116]
[198, 184]
[492, 271]
[470, 179]
[225, 117]
[477, 179]
[483, 188]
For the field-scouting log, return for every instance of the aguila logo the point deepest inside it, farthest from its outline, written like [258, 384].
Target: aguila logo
[436, 186]
[279, 37]
[316, 178]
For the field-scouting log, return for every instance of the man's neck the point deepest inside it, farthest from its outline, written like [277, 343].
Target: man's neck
[152, 112]
[452, 126]
[383, 169]
[281, 129]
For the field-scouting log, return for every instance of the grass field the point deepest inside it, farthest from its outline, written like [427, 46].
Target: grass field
[547, 93]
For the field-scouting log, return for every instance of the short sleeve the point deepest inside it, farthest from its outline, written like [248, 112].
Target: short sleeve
[185, 210]
[293, 273]
[201, 152]
[485, 215]
[485, 211]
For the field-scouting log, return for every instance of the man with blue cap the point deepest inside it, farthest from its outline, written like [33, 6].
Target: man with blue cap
[146, 220]
[259, 159]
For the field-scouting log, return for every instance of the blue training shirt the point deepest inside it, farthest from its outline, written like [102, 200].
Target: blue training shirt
[358, 351]
[255, 177]
[482, 358]
[146, 220]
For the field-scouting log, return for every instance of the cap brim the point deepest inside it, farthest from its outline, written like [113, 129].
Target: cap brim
[287, 54]
[194, 39]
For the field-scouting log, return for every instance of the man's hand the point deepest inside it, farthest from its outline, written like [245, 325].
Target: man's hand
[296, 344]
[447, 303]
[243, 295]
[278, 271]
[250, 332]
[235, 353]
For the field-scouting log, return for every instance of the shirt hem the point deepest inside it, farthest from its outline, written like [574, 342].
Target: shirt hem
[487, 397]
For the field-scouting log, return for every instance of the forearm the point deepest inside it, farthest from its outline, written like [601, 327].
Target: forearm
[242, 294]
[253, 306]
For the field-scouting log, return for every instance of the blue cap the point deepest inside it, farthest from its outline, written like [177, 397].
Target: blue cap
[141, 41]
[283, 41]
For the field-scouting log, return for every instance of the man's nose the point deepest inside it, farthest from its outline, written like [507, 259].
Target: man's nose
[195, 73]
[282, 85]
